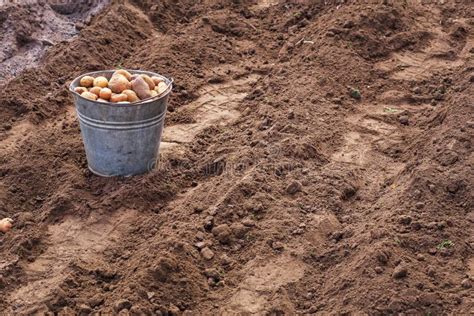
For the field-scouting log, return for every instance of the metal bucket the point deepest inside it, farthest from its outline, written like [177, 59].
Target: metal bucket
[121, 139]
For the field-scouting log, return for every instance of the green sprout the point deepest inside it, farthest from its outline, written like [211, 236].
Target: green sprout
[445, 244]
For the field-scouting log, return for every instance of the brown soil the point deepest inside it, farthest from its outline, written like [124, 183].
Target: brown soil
[276, 192]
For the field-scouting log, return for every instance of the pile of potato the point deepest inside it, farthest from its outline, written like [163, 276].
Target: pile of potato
[123, 87]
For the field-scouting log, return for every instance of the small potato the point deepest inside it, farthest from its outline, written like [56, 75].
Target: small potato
[118, 83]
[162, 86]
[6, 224]
[80, 90]
[101, 82]
[153, 93]
[102, 100]
[95, 90]
[89, 95]
[141, 88]
[156, 80]
[87, 81]
[132, 96]
[118, 98]
[149, 81]
[105, 93]
[124, 73]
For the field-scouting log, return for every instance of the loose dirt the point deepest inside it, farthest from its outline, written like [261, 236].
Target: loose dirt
[276, 192]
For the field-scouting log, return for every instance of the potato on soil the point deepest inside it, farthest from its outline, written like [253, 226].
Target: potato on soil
[87, 81]
[132, 96]
[124, 73]
[6, 224]
[101, 82]
[141, 88]
[156, 80]
[161, 87]
[89, 95]
[118, 83]
[80, 90]
[105, 93]
[118, 98]
[95, 90]
[149, 81]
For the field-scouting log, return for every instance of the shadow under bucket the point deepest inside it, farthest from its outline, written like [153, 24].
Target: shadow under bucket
[121, 139]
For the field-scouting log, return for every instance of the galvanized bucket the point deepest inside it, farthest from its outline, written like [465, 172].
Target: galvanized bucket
[121, 139]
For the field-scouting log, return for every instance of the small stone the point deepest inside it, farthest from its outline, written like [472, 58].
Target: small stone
[200, 245]
[200, 236]
[403, 120]
[416, 90]
[348, 24]
[400, 272]
[96, 300]
[122, 304]
[207, 253]
[432, 251]
[239, 230]
[291, 115]
[294, 188]
[431, 271]
[378, 269]
[276, 245]
[84, 309]
[248, 222]
[150, 295]
[420, 205]
[405, 219]
[209, 222]
[466, 283]
[222, 233]
[382, 257]
[420, 257]
[355, 93]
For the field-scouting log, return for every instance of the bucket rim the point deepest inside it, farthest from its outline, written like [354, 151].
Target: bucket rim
[169, 81]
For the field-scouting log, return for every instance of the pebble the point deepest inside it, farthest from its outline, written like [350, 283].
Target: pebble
[416, 90]
[432, 251]
[122, 304]
[403, 120]
[200, 245]
[239, 230]
[431, 271]
[400, 272]
[96, 300]
[420, 205]
[276, 245]
[405, 219]
[466, 283]
[200, 235]
[84, 309]
[248, 222]
[420, 257]
[222, 233]
[209, 222]
[294, 188]
[378, 269]
[207, 253]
